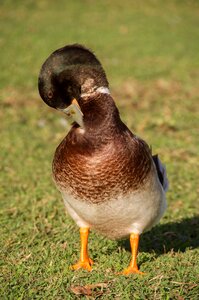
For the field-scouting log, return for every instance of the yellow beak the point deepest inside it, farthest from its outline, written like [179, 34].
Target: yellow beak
[74, 101]
[74, 113]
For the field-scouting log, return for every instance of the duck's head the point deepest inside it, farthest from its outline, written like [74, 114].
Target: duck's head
[70, 73]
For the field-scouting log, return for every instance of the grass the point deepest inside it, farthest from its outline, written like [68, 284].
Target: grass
[150, 50]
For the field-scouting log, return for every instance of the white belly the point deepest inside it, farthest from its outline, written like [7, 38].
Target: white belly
[136, 212]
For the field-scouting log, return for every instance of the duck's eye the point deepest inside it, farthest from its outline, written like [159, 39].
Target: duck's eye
[50, 94]
[69, 89]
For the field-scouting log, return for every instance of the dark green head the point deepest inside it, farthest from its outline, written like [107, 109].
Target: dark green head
[67, 73]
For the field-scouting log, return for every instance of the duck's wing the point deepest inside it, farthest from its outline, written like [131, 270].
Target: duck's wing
[162, 173]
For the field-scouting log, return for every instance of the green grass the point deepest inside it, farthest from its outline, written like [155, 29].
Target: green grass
[150, 50]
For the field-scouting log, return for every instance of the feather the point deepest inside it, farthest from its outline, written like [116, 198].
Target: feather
[162, 173]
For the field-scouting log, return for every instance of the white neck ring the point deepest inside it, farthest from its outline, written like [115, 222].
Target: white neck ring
[100, 90]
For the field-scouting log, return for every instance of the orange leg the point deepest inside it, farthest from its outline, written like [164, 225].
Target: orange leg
[85, 262]
[133, 268]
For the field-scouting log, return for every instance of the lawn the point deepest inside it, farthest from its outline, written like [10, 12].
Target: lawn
[150, 51]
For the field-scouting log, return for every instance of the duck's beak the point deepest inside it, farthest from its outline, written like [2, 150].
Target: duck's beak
[74, 101]
[74, 113]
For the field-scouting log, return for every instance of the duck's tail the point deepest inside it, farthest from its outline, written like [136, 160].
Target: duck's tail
[162, 173]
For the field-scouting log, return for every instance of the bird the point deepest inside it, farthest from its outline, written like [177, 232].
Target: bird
[109, 180]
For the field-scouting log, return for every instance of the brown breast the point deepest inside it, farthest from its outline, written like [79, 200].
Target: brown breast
[97, 175]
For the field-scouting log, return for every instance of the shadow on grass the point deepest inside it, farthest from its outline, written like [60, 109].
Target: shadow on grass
[175, 236]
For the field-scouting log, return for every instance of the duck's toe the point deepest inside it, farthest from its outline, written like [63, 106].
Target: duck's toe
[85, 264]
[131, 270]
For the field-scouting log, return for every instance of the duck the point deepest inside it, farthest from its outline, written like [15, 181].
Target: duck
[108, 178]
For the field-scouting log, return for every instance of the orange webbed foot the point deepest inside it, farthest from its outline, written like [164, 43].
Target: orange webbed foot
[85, 264]
[132, 270]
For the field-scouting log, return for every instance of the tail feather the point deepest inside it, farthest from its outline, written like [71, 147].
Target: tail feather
[162, 174]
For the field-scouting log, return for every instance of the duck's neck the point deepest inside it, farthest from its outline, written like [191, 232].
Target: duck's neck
[102, 124]
[100, 114]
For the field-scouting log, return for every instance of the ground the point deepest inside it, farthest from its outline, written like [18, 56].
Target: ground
[150, 51]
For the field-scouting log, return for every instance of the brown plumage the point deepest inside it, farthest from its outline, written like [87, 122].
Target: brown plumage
[107, 176]
[98, 166]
